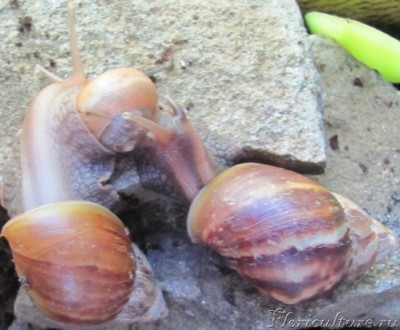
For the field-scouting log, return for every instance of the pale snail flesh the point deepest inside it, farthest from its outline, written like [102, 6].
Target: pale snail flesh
[71, 133]
[78, 265]
[286, 233]
[171, 158]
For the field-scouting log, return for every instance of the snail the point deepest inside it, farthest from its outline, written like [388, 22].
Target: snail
[72, 256]
[76, 262]
[71, 134]
[286, 233]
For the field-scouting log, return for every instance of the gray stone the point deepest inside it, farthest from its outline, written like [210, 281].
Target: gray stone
[249, 83]
[243, 71]
[361, 117]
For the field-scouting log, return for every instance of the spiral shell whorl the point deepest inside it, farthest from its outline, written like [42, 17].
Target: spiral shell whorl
[146, 302]
[74, 259]
[283, 231]
[113, 93]
[371, 241]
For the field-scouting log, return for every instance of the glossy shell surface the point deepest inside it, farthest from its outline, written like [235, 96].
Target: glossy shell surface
[74, 259]
[281, 230]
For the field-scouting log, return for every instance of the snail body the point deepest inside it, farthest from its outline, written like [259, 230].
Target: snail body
[78, 265]
[286, 233]
[171, 157]
[71, 134]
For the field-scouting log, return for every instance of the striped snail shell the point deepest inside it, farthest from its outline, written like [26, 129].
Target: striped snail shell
[284, 232]
[113, 93]
[78, 265]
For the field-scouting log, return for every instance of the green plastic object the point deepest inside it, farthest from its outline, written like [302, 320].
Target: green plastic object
[375, 49]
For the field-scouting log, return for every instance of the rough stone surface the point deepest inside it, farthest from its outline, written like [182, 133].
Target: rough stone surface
[361, 118]
[240, 70]
[200, 290]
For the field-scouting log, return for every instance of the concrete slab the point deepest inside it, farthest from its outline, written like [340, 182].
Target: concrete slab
[243, 71]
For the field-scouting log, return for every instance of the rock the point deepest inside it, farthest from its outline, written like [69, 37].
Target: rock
[243, 72]
[248, 82]
[361, 122]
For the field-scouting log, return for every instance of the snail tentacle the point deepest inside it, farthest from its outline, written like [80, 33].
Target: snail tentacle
[49, 75]
[77, 65]
[173, 149]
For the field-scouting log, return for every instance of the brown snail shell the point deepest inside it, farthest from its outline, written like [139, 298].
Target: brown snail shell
[113, 93]
[283, 231]
[77, 264]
